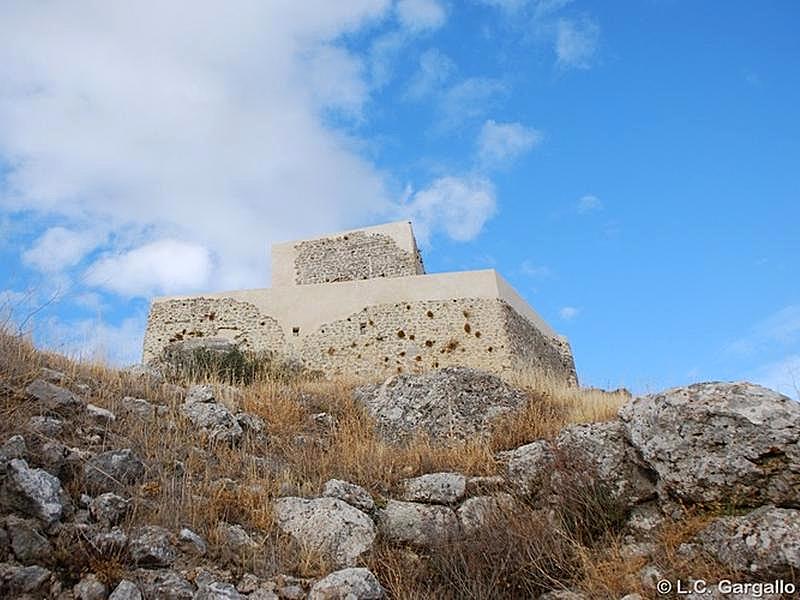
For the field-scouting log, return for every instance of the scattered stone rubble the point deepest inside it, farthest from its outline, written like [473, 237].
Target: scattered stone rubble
[697, 445]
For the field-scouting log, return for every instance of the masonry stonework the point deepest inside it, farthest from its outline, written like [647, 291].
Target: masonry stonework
[348, 257]
[357, 304]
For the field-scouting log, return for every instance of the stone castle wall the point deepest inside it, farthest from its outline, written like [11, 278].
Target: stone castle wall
[377, 341]
[353, 256]
[193, 318]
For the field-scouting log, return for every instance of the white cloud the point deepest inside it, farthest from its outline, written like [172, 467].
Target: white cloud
[161, 267]
[469, 99]
[59, 248]
[420, 15]
[435, 68]
[508, 5]
[501, 143]
[568, 313]
[457, 206]
[782, 375]
[186, 120]
[576, 42]
[589, 203]
[94, 339]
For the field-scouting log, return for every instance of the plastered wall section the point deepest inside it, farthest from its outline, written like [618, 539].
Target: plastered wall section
[384, 251]
[380, 338]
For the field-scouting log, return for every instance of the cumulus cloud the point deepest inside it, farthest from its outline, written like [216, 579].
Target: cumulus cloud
[95, 339]
[205, 129]
[419, 15]
[457, 206]
[501, 143]
[158, 267]
[589, 203]
[576, 42]
[568, 313]
[59, 248]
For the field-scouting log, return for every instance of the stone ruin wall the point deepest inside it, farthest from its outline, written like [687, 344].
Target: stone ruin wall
[353, 256]
[192, 318]
[376, 342]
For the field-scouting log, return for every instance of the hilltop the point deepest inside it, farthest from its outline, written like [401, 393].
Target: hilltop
[275, 483]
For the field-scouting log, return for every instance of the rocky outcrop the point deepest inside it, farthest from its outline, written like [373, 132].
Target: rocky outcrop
[353, 494]
[54, 398]
[764, 543]
[435, 488]
[451, 403]
[327, 525]
[712, 442]
[111, 471]
[31, 492]
[347, 584]
[417, 524]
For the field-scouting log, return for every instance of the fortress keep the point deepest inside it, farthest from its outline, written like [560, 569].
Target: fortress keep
[359, 303]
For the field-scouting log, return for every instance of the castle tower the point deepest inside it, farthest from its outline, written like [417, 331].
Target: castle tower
[359, 303]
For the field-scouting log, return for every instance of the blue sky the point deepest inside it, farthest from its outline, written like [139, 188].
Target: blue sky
[632, 168]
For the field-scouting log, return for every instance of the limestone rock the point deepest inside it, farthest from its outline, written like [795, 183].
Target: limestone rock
[29, 545]
[141, 408]
[32, 492]
[152, 546]
[216, 590]
[479, 511]
[164, 583]
[51, 375]
[54, 398]
[191, 542]
[126, 590]
[109, 508]
[17, 581]
[419, 524]
[529, 467]
[436, 488]
[453, 402]
[100, 415]
[353, 494]
[46, 426]
[52, 457]
[492, 484]
[144, 373]
[90, 588]
[111, 471]
[764, 542]
[348, 584]
[328, 525]
[111, 542]
[14, 447]
[215, 419]
[712, 442]
[601, 451]
[250, 423]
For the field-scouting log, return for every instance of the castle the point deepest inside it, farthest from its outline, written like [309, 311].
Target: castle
[359, 303]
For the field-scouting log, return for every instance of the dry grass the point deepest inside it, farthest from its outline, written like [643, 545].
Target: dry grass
[193, 482]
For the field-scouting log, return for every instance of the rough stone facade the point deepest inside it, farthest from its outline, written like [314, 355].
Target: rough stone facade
[348, 257]
[372, 316]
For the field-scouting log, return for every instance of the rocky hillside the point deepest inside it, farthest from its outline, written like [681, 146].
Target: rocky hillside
[124, 485]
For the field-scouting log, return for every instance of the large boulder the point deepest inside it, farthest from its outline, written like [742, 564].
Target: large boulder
[53, 397]
[204, 411]
[111, 471]
[152, 546]
[419, 524]
[353, 494]
[449, 403]
[348, 584]
[28, 543]
[602, 456]
[31, 492]
[327, 525]
[435, 488]
[764, 542]
[712, 442]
